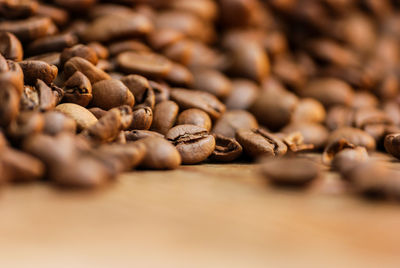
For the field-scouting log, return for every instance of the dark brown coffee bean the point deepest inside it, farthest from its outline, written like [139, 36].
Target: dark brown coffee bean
[213, 82]
[35, 69]
[137, 134]
[55, 43]
[28, 29]
[108, 127]
[142, 118]
[207, 102]
[259, 142]
[82, 116]
[78, 89]
[329, 91]
[231, 121]
[309, 110]
[332, 52]
[88, 69]
[21, 166]
[392, 144]
[315, 134]
[354, 136]
[107, 28]
[111, 93]
[195, 117]
[141, 89]
[10, 47]
[244, 93]
[274, 106]
[144, 63]
[164, 116]
[56, 122]
[160, 154]
[290, 171]
[226, 149]
[101, 10]
[192, 142]
[47, 99]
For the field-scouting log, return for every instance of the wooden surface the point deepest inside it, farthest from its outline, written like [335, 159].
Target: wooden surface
[197, 216]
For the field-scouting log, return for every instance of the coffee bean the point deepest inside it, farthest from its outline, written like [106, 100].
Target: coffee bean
[162, 37]
[141, 89]
[164, 116]
[100, 50]
[392, 144]
[34, 70]
[339, 116]
[142, 118]
[93, 73]
[207, 102]
[52, 58]
[345, 160]
[111, 93]
[82, 51]
[10, 47]
[51, 43]
[195, 117]
[144, 63]
[57, 15]
[231, 121]
[259, 142]
[82, 116]
[309, 110]
[160, 154]
[213, 82]
[194, 143]
[128, 45]
[290, 171]
[27, 123]
[47, 99]
[137, 134]
[179, 75]
[161, 91]
[28, 29]
[77, 89]
[244, 93]
[354, 136]
[226, 149]
[97, 112]
[56, 122]
[9, 104]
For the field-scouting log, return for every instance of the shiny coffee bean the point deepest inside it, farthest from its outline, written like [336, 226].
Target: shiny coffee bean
[93, 73]
[226, 149]
[82, 116]
[195, 117]
[194, 143]
[78, 89]
[164, 116]
[10, 47]
[160, 154]
[111, 93]
[244, 93]
[142, 118]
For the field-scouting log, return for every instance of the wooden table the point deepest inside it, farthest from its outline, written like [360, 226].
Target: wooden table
[197, 216]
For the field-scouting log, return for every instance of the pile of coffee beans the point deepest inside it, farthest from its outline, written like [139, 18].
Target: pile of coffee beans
[90, 89]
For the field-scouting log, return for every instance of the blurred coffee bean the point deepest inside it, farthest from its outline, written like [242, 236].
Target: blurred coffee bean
[244, 93]
[313, 133]
[56, 122]
[137, 134]
[354, 136]
[309, 110]
[164, 116]
[28, 29]
[82, 116]
[160, 154]
[213, 82]
[10, 46]
[195, 117]
[232, 121]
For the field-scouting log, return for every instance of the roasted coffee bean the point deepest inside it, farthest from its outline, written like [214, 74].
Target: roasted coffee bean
[392, 144]
[160, 154]
[162, 37]
[100, 50]
[195, 117]
[141, 89]
[78, 89]
[98, 112]
[10, 47]
[179, 75]
[364, 100]
[35, 69]
[111, 93]
[205, 101]
[295, 142]
[108, 127]
[109, 27]
[128, 45]
[244, 93]
[309, 110]
[161, 91]
[354, 136]
[82, 51]
[17, 9]
[52, 58]
[334, 148]
[345, 160]
[47, 99]
[231, 121]
[26, 124]
[55, 43]
[259, 142]
[56, 122]
[194, 143]
[28, 29]
[82, 116]
[57, 15]
[134, 135]
[329, 91]
[226, 149]
[213, 82]
[142, 118]
[87, 68]
[20, 166]
[290, 171]
[339, 116]
[164, 116]
[274, 106]
[144, 63]
[9, 104]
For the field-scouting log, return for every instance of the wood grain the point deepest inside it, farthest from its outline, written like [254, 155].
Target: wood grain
[197, 216]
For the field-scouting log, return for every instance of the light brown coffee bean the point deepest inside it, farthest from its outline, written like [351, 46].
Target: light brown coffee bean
[309, 110]
[141, 89]
[82, 116]
[93, 73]
[142, 118]
[194, 143]
[34, 70]
[213, 82]
[10, 47]
[78, 89]
[28, 29]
